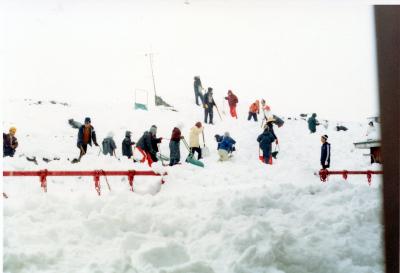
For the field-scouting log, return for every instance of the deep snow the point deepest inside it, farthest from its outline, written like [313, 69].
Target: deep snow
[237, 216]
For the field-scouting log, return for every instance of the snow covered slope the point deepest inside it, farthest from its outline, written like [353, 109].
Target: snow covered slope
[237, 216]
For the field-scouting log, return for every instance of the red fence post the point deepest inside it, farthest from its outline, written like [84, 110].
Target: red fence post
[96, 178]
[131, 174]
[43, 179]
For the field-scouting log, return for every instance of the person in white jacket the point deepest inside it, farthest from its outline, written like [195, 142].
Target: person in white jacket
[194, 141]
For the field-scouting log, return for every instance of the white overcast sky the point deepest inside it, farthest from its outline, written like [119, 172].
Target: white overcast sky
[301, 56]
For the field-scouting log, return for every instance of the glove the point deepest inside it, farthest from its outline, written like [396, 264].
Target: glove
[205, 106]
[276, 142]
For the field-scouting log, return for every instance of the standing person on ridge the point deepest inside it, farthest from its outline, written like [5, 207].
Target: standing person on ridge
[127, 144]
[254, 110]
[325, 152]
[194, 142]
[86, 134]
[265, 140]
[209, 103]
[174, 145]
[312, 123]
[232, 101]
[197, 90]
[10, 142]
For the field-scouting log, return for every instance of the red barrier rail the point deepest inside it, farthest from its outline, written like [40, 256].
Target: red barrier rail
[324, 174]
[96, 175]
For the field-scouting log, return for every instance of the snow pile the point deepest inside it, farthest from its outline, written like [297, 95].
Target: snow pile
[237, 216]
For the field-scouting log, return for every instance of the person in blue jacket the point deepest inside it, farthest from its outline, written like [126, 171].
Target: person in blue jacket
[325, 152]
[265, 140]
[225, 147]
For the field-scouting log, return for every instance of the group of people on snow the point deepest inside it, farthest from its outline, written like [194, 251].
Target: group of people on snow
[148, 143]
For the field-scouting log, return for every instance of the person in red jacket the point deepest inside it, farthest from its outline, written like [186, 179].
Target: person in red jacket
[174, 149]
[254, 110]
[232, 101]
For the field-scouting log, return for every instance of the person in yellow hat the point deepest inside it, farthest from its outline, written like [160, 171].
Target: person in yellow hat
[10, 142]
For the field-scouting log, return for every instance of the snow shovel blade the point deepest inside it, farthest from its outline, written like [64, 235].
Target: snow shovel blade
[162, 157]
[75, 160]
[205, 151]
[274, 154]
[193, 161]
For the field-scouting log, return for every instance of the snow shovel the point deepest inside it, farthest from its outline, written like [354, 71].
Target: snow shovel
[190, 158]
[276, 151]
[204, 151]
[216, 107]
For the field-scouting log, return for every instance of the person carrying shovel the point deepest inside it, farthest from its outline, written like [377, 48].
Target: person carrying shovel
[194, 142]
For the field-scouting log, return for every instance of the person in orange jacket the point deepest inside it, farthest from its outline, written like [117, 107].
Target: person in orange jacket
[232, 101]
[254, 110]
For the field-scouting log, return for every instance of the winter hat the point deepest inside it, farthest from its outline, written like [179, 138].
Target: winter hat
[87, 120]
[210, 89]
[230, 92]
[325, 137]
[128, 133]
[12, 130]
[314, 115]
[153, 130]
[198, 124]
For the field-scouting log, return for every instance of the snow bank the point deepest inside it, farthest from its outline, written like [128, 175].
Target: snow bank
[236, 216]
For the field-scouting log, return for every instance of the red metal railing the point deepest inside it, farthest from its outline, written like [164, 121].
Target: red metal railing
[43, 174]
[324, 174]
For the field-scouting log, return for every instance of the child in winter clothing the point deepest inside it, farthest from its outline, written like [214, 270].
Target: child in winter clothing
[232, 101]
[312, 123]
[266, 110]
[265, 140]
[174, 145]
[109, 145]
[10, 142]
[194, 142]
[254, 110]
[127, 144]
[225, 147]
[86, 134]
[209, 103]
[147, 145]
[325, 152]
[197, 89]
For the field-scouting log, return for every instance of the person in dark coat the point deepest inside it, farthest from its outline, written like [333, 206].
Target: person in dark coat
[265, 140]
[209, 103]
[147, 145]
[86, 135]
[10, 142]
[109, 146]
[197, 90]
[127, 144]
[312, 123]
[232, 101]
[325, 152]
[174, 146]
